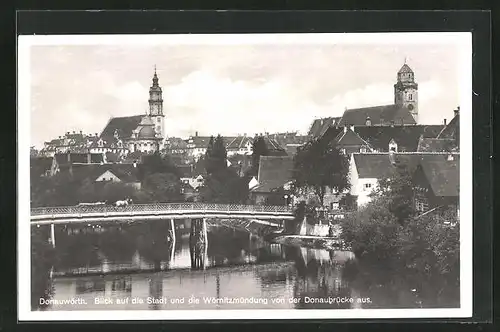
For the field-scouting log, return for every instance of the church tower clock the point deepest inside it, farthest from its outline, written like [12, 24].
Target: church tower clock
[406, 91]
[156, 106]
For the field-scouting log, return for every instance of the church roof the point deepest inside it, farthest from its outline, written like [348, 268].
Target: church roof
[124, 126]
[379, 115]
[405, 69]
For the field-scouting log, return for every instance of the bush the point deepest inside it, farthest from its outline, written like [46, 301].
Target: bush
[372, 231]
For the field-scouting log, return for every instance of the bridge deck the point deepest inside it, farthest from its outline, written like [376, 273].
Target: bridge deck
[66, 214]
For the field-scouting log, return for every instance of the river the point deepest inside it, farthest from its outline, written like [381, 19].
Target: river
[136, 268]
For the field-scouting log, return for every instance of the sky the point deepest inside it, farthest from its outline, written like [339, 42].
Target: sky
[231, 89]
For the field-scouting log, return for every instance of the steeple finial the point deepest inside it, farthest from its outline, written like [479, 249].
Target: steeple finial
[406, 60]
[155, 66]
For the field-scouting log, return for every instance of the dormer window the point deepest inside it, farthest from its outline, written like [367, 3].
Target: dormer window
[393, 146]
[368, 121]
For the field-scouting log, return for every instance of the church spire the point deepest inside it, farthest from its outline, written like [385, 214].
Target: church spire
[155, 78]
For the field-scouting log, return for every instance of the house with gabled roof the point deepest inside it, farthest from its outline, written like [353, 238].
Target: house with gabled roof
[367, 169]
[436, 184]
[320, 126]
[239, 145]
[452, 130]
[274, 173]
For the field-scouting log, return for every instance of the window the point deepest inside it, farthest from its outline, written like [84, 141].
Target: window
[158, 119]
[368, 186]
[363, 149]
[410, 97]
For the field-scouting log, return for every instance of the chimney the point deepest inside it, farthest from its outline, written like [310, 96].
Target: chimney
[345, 129]
[351, 128]
[196, 134]
[444, 122]
[96, 135]
[89, 158]
[135, 163]
[81, 132]
[457, 111]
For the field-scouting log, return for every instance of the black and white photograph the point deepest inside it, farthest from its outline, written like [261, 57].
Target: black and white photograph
[245, 176]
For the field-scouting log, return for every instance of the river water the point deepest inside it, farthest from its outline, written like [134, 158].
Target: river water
[136, 268]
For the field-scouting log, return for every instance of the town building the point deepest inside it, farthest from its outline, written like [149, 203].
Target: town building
[366, 170]
[239, 145]
[70, 142]
[274, 173]
[436, 184]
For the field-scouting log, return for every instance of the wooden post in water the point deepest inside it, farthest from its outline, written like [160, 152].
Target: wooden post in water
[52, 235]
[172, 229]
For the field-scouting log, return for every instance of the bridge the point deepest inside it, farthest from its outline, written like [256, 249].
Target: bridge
[99, 213]
[197, 212]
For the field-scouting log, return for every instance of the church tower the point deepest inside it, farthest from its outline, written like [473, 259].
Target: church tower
[156, 106]
[406, 91]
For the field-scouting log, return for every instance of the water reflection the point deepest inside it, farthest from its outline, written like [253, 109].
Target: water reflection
[134, 267]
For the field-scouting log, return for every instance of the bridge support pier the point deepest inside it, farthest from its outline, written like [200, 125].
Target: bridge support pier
[172, 230]
[52, 235]
[198, 243]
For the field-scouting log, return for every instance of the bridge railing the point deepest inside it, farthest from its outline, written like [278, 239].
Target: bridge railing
[158, 207]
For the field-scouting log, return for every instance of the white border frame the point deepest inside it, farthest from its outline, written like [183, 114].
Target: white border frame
[461, 39]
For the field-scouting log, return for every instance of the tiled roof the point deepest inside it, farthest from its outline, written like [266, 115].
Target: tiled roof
[378, 115]
[124, 126]
[320, 126]
[436, 145]
[273, 146]
[236, 143]
[175, 143]
[443, 176]
[350, 138]
[199, 142]
[406, 137]
[274, 172]
[379, 165]
[452, 129]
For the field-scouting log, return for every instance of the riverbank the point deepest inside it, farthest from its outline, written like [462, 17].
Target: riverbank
[309, 241]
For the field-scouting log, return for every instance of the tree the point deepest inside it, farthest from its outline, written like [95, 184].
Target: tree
[155, 163]
[225, 186]
[216, 155]
[398, 191]
[259, 148]
[319, 165]
[162, 188]
[208, 156]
